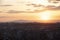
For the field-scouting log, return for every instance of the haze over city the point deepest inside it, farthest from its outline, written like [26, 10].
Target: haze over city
[29, 19]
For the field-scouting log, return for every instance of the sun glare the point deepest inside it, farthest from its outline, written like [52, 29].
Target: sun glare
[45, 16]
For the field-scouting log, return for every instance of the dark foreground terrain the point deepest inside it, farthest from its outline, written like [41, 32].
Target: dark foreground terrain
[29, 31]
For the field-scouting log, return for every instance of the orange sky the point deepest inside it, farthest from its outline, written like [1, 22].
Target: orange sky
[30, 16]
[33, 14]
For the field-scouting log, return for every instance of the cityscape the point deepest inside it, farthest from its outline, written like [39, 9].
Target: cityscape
[29, 19]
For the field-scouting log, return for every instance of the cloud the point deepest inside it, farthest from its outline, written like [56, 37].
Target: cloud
[34, 5]
[6, 5]
[28, 11]
[53, 8]
[57, 0]
[4, 17]
[1, 11]
[14, 11]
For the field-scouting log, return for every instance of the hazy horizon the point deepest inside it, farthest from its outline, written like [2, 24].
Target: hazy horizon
[11, 10]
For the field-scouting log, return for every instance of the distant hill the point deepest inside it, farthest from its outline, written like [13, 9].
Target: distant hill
[23, 21]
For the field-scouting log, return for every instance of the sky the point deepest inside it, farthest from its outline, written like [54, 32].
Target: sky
[32, 10]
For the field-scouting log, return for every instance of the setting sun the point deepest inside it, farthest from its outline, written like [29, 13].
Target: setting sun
[38, 10]
[45, 15]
